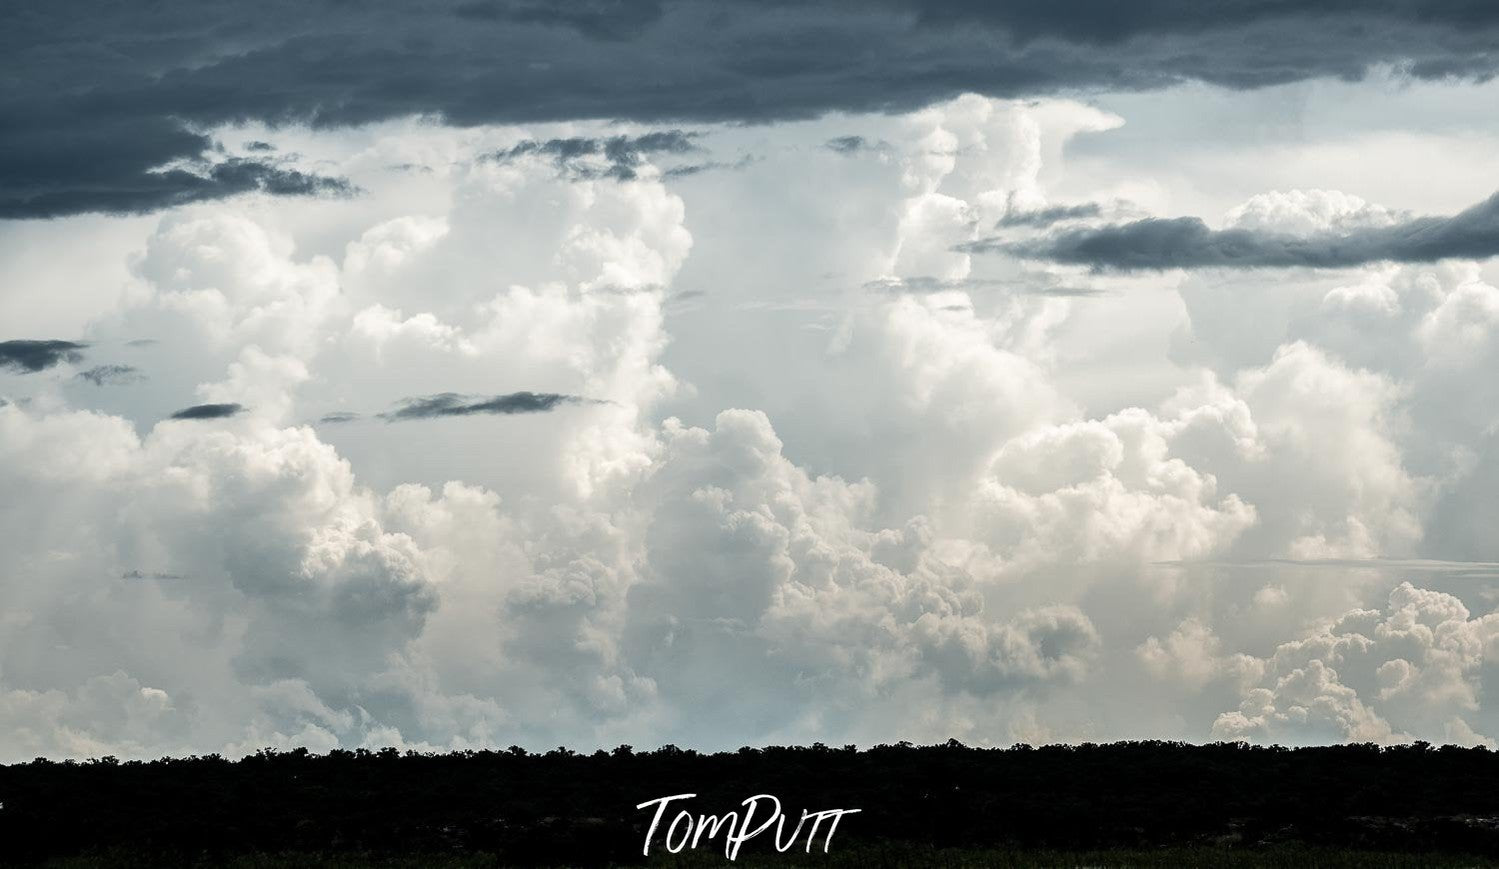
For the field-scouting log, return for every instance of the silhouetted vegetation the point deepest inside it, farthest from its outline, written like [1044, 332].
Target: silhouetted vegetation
[1139, 803]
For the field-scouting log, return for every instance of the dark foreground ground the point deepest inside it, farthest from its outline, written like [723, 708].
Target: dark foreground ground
[1126, 804]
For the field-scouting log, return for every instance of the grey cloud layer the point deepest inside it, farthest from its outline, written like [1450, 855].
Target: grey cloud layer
[93, 175]
[1053, 214]
[338, 416]
[851, 145]
[623, 154]
[26, 355]
[209, 411]
[1187, 242]
[106, 375]
[102, 96]
[453, 404]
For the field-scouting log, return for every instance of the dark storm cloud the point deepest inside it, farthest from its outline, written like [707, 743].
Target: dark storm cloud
[599, 19]
[124, 186]
[1187, 242]
[1048, 216]
[1107, 22]
[106, 375]
[622, 155]
[100, 96]
[453, 404]
[209, 411]
[31, 356]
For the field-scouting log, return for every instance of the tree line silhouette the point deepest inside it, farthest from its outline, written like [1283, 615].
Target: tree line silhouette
[561, 807]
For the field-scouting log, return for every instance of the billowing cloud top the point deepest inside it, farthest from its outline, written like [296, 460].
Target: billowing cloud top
[737, 372]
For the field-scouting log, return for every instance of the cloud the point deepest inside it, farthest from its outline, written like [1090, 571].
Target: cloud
[597, 19]
[1037, 284]
[1188, 242]
[933, 506]
[102, 375]
[453, 404]
[689, 169]
[1099, 490]
[138, 574]
[1465, 569]
[306, 590]
[617, 157]
[1049, 215]
[754, 566]
[1372, 675]
[1098, 22]
[209, 411]
[848, 145]
[138, 189]
[90, 131]
[338, 416]
[29, 356]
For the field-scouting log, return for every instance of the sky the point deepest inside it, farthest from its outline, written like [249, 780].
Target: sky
[738, 372]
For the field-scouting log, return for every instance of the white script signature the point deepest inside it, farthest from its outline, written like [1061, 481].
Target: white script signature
[687, 830]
